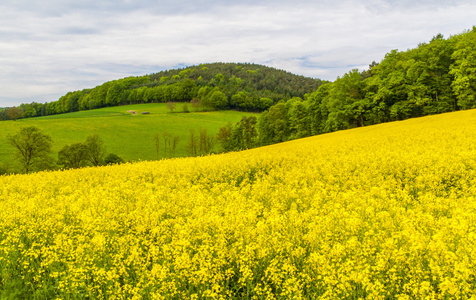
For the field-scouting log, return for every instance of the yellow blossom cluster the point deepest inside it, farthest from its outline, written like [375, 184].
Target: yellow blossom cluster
[379, 212]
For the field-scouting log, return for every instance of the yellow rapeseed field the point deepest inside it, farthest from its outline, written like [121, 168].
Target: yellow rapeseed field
[380, 212]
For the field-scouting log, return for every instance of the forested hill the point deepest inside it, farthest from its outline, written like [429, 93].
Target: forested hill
[435, 77]
[242, 86]
[253, 78]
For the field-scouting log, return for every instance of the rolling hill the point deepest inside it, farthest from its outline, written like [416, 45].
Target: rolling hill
[239, 86]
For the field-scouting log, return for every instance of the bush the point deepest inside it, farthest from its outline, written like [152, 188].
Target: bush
[112, 159]
[185, 108]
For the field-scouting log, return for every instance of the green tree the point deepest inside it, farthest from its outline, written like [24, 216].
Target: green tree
[112, 159]
[224, 135]
[192, 143]
[185, 108]
[318, 111]
[218, 100]
[195, 102]
[241, 100]
[14, 113]
[157, 144]
[174, 143]
[32, 148]
[264, 103]
[437, 60]
[113, 96]
[30, 110]
[96, 149]
[73, 156]
[171, 106]
[5, 169]
[274, 124]
[244, 135]
[343, 93]
[214, 99]
[299, 123]
[464, 70]
[204, 95]
[206, 142]
[167, 137]
[3, 114]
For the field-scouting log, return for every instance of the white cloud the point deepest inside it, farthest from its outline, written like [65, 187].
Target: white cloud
[48, 50]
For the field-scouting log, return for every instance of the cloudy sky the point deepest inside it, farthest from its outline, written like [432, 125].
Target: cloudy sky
[50, 47]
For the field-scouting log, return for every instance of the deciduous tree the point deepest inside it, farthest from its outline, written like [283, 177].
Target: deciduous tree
[224, 135]
[171, 106]
[192, 144]
[14, 113]
[96, 149]
[206, 142]
[73, 156]
[32, 148]
[157, 144]
[196, 103]
[112, 159]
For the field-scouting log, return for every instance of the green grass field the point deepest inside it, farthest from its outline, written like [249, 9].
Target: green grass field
[127, 135]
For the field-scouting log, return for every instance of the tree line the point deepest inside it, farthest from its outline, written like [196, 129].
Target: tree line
[32, 152]
[33, 148]
[246, 87]
[435, 77]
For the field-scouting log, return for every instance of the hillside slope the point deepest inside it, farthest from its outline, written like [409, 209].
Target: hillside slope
[381, 212]
[127, 135]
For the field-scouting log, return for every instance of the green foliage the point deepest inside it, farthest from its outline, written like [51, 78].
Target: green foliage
[224, 135]
[436, 77]
[157, 144]
[196, 104]
[170, 143]
[464, 70]
[185, 108]
[73, 156]
[299, 120]
[112, 159]
[244, 135]
[96, 151]
[32, 149]
[274, 124]
[192, 143]
[14, 113]
[171, 106]
[217, 100]
[5, 169]
[206, 142]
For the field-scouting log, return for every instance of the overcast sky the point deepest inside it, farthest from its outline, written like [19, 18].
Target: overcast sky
[50, 47]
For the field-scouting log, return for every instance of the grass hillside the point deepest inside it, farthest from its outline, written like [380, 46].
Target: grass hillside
[127, 135]
[379, 212]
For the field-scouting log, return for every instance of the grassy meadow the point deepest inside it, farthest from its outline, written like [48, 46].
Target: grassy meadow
[127, 135]
[378, 212]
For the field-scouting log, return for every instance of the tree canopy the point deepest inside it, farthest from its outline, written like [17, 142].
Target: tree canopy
[436, 77]
[32, 148]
